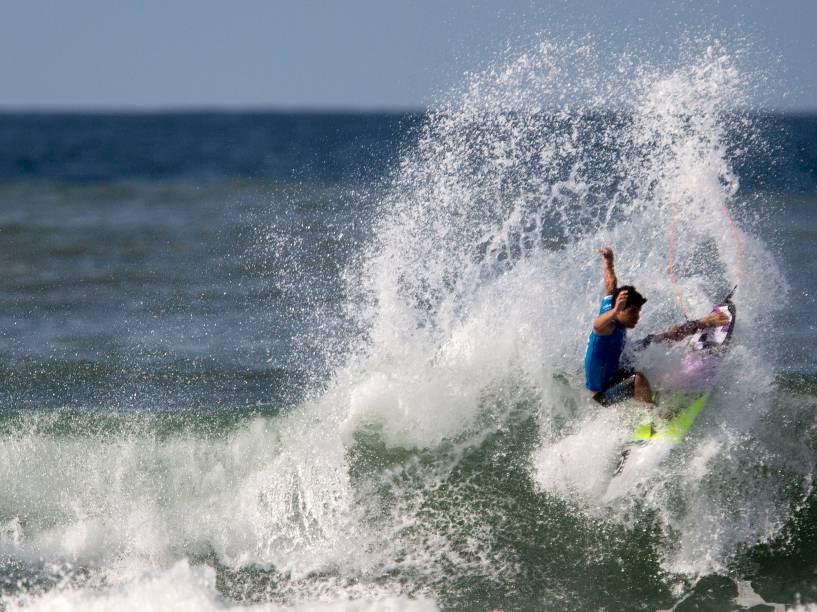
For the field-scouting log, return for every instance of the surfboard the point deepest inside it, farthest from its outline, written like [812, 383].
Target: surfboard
[687, 390]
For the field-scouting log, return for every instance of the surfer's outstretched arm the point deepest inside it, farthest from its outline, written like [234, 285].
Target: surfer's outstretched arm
[610, 281]
[681, 331]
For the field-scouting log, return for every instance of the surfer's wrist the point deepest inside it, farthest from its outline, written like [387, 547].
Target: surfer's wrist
[687, 328]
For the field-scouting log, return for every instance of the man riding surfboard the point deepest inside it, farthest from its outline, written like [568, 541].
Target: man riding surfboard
[605, 378]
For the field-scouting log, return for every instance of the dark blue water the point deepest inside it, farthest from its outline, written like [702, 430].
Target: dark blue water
[314, 148]
[287, 147]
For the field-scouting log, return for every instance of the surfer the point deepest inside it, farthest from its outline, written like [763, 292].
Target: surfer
[606, 379]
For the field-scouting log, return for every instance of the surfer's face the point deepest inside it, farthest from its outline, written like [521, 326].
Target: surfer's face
[629, 316]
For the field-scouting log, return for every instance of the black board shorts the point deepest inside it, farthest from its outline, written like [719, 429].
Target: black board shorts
[621, 387]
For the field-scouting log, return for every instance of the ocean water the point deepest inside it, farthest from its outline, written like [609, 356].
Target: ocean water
[284, 361]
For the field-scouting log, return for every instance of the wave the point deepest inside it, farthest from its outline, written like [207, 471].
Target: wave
[452, 458]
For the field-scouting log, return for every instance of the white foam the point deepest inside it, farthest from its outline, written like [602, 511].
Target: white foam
[272, 492]
[184, 587]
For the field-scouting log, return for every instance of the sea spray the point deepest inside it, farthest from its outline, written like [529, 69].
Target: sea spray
[484, 269]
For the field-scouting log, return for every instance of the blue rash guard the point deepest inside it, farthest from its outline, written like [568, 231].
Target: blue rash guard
[603, 353]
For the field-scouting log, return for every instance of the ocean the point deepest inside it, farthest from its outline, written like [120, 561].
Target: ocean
[333, 361]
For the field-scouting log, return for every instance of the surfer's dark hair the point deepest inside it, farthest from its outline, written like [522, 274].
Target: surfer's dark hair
[634, 298]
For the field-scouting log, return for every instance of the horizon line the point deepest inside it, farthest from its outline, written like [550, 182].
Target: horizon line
[290, 109]
[211, 108]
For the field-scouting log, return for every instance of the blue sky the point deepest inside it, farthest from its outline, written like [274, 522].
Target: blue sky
[353, 54]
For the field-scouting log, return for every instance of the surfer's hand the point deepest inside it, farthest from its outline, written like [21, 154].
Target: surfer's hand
[713, 319]
[606, 253]
[621, 301]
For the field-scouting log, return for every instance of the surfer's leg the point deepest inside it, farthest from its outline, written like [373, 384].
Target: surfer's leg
[631, 386]
[641, 390]
[620, 390]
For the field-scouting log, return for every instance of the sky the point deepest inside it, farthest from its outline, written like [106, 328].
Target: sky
[352, 54]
